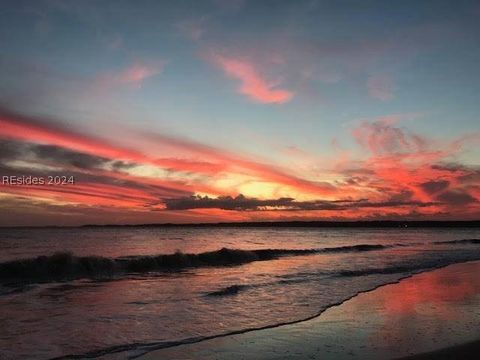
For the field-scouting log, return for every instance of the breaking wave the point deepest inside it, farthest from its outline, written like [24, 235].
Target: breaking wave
[138, 349]
[66, 266]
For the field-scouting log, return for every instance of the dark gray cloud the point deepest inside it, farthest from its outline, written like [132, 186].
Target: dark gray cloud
[55, 155]
[71, 163]
[11, 150]
[404, 196]
[242, 203]
[456, 197]
[467, 175]
[62, 156]
[453, 167]
[121, 165]
[433, 187]
[157, 191]
[225, 202]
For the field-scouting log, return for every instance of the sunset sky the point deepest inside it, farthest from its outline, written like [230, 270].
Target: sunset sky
[231, 110]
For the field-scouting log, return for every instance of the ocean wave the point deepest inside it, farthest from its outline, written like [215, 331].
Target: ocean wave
[388, 270]
[462, 241]
[410, 268]
[377, 271]
[66, 266]
[356, 248]
[229, 290]
[138, 349]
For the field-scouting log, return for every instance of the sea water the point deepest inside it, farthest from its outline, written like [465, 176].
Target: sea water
[118, 290]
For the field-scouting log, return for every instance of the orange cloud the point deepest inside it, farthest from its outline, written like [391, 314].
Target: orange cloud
[221, 161]
[190, 180]
[403, 163]
[404, 175]
[93, 194]
[16, 127]
[237, 163]
[253, 85]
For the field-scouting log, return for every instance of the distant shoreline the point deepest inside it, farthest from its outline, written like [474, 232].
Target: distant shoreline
[283, 224]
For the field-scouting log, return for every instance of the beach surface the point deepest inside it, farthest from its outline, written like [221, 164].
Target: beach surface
[431, 315]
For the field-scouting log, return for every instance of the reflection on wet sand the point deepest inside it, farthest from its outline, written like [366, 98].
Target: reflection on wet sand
[423, 313]
[429, 309]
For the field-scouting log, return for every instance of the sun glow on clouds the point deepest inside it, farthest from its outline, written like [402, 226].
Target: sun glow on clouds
[402, 175]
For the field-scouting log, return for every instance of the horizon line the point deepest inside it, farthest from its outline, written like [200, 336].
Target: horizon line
[296, 223]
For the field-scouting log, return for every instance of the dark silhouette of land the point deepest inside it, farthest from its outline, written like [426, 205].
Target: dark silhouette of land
[319, 224]
[290, 224]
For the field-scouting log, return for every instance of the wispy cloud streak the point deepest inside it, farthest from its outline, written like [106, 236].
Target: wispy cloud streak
[252, 83]
[402, 174]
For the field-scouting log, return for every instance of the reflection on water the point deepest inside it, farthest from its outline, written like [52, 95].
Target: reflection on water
[116, 242]
[419, 314]
[436, 306]
[437, 290]
[41, 320]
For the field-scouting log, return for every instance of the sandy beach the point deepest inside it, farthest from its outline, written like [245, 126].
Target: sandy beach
[464, 351]
[431, 315]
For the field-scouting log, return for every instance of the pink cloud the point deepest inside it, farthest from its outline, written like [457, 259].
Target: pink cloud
[235, 162]
[134, 75]
[404, 174]
[403, 162]
[24, 129]
[381, 137]
[216, 161]
[380, 87]
[253, 84]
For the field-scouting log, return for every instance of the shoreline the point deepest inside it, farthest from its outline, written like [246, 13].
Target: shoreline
[148, 348]
[329, 321]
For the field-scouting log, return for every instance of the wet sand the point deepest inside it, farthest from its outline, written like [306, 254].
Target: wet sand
[464, 351]
[432, 315]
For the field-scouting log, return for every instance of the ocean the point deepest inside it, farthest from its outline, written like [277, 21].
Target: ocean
[107, 291]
